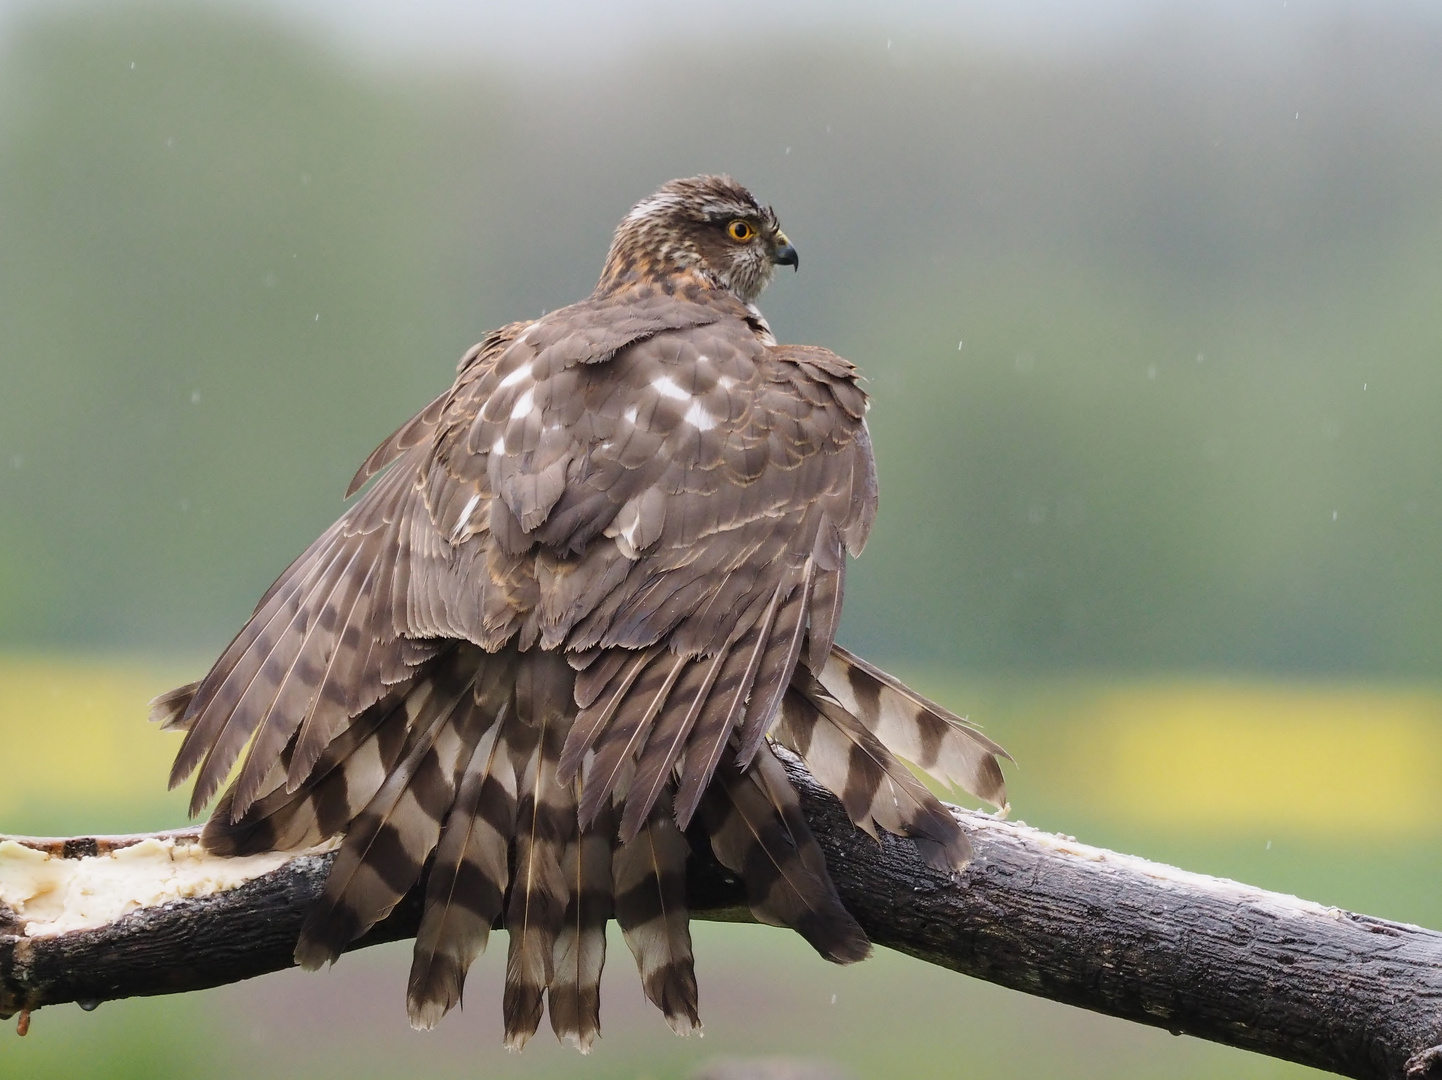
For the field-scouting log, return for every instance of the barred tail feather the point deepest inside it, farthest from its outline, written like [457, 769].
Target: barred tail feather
[345, 779]
[574, 998]
[467, 884]
[874, 787]
[912, 727]
[757, 830]
[545, 822]
[389, 841]
[650, 885]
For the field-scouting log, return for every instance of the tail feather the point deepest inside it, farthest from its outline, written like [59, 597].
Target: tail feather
[574, 997]
[346, 778]
[757, 830]
[465, 891]
[874, 787]
[650, 884]
[545, 822]
[466, 755]
[911, 726]
[389, 841]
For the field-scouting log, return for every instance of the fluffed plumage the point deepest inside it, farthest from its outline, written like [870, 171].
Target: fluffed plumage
[585, 587]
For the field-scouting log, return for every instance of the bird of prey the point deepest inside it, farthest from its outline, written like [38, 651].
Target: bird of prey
[551, 646]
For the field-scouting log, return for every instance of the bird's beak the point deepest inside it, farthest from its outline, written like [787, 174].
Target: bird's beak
[785, 254]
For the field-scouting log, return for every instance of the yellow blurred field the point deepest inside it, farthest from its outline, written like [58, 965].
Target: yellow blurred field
[76, 735]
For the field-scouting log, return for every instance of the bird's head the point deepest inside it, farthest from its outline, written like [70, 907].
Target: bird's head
[707, 226]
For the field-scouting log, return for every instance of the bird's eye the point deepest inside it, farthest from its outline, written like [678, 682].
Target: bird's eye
[740, 231]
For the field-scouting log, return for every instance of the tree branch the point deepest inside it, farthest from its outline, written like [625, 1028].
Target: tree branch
[1034, 911]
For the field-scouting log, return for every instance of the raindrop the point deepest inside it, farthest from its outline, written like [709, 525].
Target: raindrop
[169, 141]
[1364, 386]
[17, 460]
[1269, 845]
[958, 346]
[788, 149]
[1334, 515]
[1297, 117]
[89, 1004]
[1201, 357]
[195, 397]
[132, 65]
[317, 316]
[888, 43]
[1151, 371]
[833, 999]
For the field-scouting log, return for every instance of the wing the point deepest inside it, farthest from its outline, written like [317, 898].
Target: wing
[674, 514]
[359, 612]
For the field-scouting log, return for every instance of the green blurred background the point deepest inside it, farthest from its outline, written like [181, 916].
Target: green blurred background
[1150, 298]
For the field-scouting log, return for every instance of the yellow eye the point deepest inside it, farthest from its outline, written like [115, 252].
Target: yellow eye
[740, 231]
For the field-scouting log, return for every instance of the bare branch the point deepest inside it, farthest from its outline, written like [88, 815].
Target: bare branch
[1036, 912]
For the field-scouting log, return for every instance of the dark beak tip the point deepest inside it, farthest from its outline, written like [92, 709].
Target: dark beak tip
[787, 255]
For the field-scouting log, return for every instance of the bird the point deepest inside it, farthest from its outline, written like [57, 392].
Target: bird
[551, 648]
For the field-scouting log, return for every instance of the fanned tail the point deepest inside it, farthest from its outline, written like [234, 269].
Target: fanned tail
[464, 759]
[650, 883]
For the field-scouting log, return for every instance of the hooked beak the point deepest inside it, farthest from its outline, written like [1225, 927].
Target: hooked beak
[785, 254]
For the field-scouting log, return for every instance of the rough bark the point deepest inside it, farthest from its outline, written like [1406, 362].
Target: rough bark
[1036, 912]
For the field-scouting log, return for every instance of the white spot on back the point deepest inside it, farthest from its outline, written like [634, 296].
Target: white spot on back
[726, 382]
[699, 418]
[524, 404]
[500, 446]
[630, 414]
[521, 373]
[465, 517]
[666, 387]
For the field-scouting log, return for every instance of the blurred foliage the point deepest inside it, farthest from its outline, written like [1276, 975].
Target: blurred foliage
[1153, 333]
